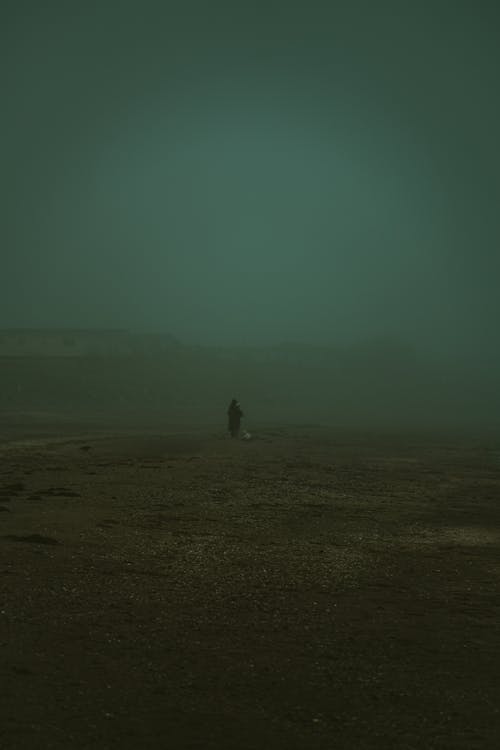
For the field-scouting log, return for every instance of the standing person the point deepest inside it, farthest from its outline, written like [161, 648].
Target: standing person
[234, 414]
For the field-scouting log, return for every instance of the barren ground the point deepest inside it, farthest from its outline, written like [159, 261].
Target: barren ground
[301, 590]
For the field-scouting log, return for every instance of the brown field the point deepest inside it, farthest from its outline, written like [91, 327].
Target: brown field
[304, 590]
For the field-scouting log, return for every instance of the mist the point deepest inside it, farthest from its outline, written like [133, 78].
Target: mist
[321, 179]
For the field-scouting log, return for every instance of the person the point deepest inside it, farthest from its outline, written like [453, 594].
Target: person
[234, 414]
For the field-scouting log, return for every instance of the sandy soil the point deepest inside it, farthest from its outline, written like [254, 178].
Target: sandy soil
[300, 590]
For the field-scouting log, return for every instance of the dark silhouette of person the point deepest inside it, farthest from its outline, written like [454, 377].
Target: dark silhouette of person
[234, 414]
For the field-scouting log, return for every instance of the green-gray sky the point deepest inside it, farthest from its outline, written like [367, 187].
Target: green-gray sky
[253, 172]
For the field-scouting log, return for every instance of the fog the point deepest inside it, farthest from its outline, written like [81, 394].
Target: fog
[255, 176]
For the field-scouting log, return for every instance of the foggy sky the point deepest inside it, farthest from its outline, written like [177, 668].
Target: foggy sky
[253, 173]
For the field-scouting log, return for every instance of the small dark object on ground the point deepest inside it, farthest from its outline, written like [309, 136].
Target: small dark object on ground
[32, 539]
[15, 487]
[234, 414]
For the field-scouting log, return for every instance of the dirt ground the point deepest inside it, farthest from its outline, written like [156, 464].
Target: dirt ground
[299, 590]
